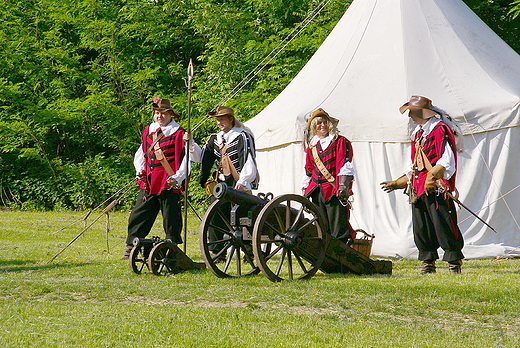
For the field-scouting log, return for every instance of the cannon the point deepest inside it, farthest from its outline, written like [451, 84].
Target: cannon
[226, 231]
[282, 237]
[160, 256]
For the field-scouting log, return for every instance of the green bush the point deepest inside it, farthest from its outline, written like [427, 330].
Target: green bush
[75, 186]
[78, 186]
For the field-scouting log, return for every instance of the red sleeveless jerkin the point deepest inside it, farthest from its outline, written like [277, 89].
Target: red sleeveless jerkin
[173, 149]
[333, 157]
[433, 147]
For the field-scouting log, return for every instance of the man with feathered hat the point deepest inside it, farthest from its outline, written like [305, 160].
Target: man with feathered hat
[432, 173]
[160, 166]
[232, 152]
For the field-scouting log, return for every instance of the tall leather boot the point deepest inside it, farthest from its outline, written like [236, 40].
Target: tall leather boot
[455, 266]
[428, 267]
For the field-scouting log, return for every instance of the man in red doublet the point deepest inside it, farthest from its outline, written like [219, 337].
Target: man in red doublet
[432, 173]
[160, 167]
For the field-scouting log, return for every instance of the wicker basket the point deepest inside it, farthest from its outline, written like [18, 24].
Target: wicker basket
[363, 244]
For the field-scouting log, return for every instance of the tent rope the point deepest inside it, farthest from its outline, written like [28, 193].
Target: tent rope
[499, 191]
[501, 257]
[272, 55]
[490, 204]
[494, 181]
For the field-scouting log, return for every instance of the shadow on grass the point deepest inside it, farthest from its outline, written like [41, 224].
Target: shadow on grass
[15, 266]
[347, 275]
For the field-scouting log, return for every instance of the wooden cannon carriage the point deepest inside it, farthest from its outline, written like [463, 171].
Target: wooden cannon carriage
[282, 237]
[160, 256]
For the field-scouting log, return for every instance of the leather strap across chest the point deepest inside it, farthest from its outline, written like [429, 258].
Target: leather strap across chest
[159, 155]
[227, 164]
[321, 166]
[421, 161]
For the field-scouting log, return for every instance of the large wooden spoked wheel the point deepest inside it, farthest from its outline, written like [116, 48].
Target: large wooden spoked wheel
[137, 259]
[162, 259]
[226, 250]
[290, 227]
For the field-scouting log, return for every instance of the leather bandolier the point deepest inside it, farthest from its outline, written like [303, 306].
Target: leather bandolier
[332, 159]
[163, 160]
[426, 151]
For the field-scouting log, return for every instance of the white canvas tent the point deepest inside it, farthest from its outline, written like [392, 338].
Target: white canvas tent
[379, 54]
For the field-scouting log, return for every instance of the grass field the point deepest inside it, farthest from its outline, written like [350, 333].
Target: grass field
[88, 297]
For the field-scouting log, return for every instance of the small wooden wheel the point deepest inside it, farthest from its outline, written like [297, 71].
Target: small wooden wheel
[290, 228]
[227, 251]
[162, 259]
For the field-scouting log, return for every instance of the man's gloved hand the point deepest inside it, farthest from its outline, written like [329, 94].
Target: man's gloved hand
[430, 185]
[400, 183]
[209, 186]
[141, 176]
[343, 191]
[173, 183]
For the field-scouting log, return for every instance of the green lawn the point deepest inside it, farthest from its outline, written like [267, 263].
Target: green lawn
[88, 297]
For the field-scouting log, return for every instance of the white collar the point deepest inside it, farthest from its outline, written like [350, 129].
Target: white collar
[427, 127]
[167, 130]
[229, 136]
[325, 142]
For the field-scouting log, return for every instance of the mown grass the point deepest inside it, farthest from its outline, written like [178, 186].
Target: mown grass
[88, 297]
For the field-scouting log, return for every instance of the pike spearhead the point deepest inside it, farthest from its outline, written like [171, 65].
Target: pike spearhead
[190, 70]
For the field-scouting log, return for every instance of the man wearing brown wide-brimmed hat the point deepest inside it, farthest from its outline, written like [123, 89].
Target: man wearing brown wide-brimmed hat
[329, 173]
[236, 142]
[160, 166]
[228, 156]
[430, 176]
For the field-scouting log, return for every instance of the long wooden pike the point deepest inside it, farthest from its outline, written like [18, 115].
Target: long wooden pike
[187, 151]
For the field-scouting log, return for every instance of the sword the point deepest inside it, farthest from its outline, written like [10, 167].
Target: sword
[472, 213]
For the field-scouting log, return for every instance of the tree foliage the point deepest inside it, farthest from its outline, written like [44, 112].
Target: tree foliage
[515, 9]
[77, 78]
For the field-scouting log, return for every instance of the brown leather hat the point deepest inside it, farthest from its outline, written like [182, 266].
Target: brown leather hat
[222, 111]
[163, 105]
[418, 102]
[321, 113]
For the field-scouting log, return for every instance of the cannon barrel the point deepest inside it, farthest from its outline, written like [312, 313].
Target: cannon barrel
[146, 241]
[243, 199]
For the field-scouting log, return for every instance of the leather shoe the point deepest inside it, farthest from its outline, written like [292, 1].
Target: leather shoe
[455, 266]
[428, 267]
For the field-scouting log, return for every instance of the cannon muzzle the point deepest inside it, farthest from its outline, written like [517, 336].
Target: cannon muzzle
[244, 199]
[144, 241]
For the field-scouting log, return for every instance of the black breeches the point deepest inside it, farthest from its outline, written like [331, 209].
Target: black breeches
[336, 215]
[145, 211]
[435, 225]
